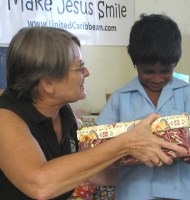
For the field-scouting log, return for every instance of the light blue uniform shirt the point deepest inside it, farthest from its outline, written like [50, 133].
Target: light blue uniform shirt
[139, 182]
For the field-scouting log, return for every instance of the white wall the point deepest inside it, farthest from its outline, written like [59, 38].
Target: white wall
[111, 67]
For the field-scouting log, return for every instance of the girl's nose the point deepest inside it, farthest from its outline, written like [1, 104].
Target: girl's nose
[157, 78]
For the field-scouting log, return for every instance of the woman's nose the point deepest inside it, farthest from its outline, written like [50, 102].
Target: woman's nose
[86, 72]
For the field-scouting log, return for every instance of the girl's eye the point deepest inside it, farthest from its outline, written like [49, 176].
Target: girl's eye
[148, 72]
[166, 71]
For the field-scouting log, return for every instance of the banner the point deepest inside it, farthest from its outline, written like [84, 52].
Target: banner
[94, 22]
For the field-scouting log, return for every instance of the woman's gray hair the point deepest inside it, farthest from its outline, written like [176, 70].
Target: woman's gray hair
[36, 53]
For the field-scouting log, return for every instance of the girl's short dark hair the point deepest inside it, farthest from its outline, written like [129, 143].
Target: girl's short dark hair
[35, 53]
[155, 38]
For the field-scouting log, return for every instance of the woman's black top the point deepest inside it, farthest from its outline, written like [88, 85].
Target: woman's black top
[42, 130]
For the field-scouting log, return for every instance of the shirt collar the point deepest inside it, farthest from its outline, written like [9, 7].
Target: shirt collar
[135, 85]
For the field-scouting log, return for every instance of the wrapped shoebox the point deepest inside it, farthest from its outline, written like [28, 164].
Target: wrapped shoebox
[88, 120]
[174, 129]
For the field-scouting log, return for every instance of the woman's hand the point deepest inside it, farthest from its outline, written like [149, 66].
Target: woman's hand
[146, 147]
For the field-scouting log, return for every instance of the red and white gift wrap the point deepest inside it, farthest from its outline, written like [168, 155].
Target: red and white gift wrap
[174, 129]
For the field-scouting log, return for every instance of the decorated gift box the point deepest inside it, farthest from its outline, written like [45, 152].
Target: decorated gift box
[88, 120]
[174, 129]
[84, 192]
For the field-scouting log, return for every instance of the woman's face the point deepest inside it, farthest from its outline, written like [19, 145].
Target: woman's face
[71, 87]
[155, 77]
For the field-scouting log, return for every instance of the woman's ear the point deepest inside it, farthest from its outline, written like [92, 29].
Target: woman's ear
[47, 85]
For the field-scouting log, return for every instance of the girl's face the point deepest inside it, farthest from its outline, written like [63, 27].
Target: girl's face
[154, 77]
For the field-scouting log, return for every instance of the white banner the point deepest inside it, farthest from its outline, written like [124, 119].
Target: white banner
[94, 22]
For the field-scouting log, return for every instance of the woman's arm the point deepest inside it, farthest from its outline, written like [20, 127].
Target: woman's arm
[23, 162]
